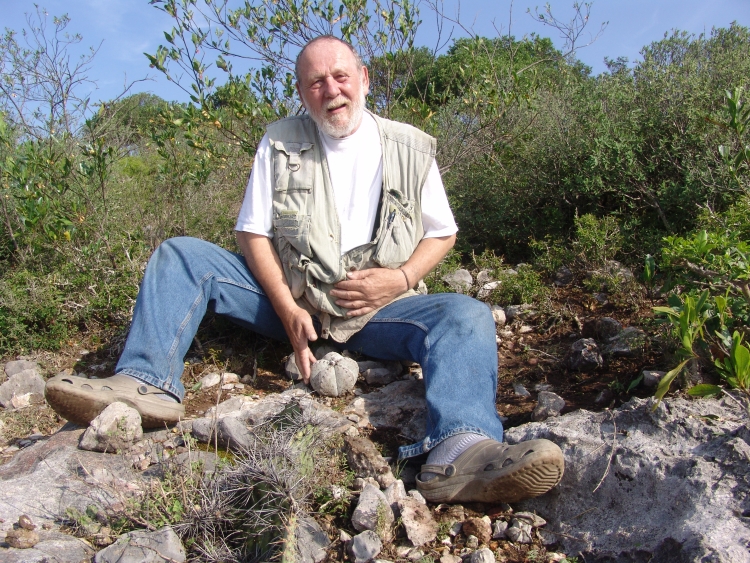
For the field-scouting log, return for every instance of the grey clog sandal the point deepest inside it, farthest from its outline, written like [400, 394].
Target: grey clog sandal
[494, 472]
[80, 400]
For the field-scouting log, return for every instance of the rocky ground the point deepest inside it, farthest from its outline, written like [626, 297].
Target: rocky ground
[640, 485]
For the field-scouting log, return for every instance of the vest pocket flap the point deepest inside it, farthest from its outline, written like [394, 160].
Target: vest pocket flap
[293, 152]
[397, 201]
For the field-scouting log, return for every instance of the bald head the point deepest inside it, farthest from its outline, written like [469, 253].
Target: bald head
[357, 58]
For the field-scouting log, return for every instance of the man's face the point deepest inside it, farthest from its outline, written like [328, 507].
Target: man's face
[332, 88]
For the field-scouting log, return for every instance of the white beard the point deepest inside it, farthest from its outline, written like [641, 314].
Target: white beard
[333, 126]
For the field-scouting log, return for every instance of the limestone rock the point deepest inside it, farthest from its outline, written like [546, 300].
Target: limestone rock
[534, 520]
[459, 281]
[21, 538]
[486, 289]
[210, 380]
[364, 547]
[116, 429]
[334, 375]
[498, 314]
[472, 542]
[498, 530]
[399, 406]
[520, 390]
[394, 493]
[53, 547]
[479, 527]
[652, 377]
[373, 512]
[483, 555]
[290, 368]
[312, 541]
[682, 468]
[365, 460]
[21, 383]
[563, 276]
[627, 344]
[16, 366]
[484, 276]
[584, 356]
[162, 546]
[380, 376]
[549, 404]
[54, 473]
[606, 328]
[418, 522]
[26, 523]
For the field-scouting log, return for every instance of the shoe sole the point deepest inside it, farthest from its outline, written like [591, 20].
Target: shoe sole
[81, 406]
[533, 475]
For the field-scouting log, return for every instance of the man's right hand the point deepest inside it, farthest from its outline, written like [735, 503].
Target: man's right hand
[265, 265]
[299, 328]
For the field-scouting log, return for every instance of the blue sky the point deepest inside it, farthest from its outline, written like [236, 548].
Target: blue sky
[124, 29]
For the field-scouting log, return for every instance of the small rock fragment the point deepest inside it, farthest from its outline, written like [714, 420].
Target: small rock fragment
[584, 356]
[651, 377]
[459, 281]
[520, 390]
[26, 523]
[416, 495]
[478, 527]
[21, 383]
[606, 328]
[290, 368]
[365, 460]
[116, 428]
[498, 530]
[21, 538]
[483, 555]
[418, 522]
[549, 404]
[373, 512]
[535, 520]
[395, 492]
[16, 366]
[472, 542]
[210, 380]
[364, 547]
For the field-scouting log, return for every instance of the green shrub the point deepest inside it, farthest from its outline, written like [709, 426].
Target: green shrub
[525, 286]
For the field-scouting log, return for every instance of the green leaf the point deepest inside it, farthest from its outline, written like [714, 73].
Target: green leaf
[704, 390]
[667, 380]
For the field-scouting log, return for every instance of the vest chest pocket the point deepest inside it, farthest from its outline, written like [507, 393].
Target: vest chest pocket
[397, 238]
[294, 166]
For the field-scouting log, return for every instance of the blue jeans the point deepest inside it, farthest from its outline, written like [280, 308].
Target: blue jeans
[451, 336]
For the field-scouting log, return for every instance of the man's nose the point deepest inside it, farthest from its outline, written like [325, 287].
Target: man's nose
[331, 87]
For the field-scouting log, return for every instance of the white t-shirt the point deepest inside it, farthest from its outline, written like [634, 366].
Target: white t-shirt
[355, 165]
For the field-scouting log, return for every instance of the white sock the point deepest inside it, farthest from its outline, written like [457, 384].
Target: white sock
[162, 396]
[449, 449]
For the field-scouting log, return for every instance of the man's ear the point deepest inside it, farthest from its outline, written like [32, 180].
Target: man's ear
[299, 93]
[365, 80]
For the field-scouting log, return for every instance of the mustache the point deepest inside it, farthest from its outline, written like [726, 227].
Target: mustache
[338, 102]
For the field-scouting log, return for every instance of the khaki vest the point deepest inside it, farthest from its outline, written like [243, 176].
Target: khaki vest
[307, 232]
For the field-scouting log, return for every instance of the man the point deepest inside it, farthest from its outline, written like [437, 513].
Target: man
[344, 213]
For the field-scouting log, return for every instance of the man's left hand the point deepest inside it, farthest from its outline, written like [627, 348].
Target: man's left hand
[365, 290]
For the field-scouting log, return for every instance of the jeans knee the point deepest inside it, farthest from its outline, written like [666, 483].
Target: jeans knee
[468, 314]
